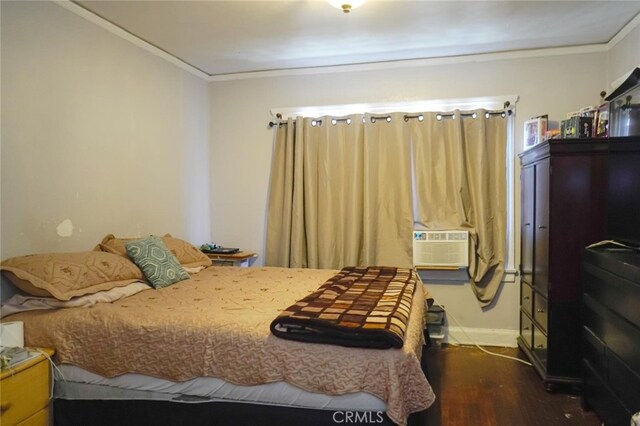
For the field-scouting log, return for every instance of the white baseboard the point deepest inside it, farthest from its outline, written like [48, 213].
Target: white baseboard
[481, 336]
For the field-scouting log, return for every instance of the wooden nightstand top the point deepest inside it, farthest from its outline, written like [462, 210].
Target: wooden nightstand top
[10, 371]
[241, 255]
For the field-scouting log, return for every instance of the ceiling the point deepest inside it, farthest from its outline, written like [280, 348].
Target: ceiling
[229, 37]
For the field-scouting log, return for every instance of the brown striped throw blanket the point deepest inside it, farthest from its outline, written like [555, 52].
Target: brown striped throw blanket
[366, 307]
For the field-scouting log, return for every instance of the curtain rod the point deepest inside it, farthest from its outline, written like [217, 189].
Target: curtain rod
[407, 117]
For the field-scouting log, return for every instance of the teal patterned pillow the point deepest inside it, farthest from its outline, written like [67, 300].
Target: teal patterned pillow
[159, 266]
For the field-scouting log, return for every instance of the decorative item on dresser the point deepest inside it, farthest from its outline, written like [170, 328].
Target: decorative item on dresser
[25, 390]
[611, 332]
[563, 211]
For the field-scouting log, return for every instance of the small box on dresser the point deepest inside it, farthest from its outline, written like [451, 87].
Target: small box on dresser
[611, 333]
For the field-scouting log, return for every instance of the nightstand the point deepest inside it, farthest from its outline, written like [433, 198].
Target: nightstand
[25, 390]
[241, 258]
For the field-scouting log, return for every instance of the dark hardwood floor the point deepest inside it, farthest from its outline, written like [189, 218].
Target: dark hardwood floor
[474, 388]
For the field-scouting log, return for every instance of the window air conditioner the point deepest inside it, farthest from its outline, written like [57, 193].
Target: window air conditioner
[446, 249]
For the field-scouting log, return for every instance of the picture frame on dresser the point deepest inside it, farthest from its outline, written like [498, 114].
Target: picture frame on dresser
[601, 121]
[534, 131]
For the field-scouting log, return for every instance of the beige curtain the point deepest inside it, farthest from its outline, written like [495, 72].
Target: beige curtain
[350, 194]
[340, 195]
[460, 182]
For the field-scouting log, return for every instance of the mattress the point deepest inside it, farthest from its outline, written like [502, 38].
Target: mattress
[79, 383]
[216, 325]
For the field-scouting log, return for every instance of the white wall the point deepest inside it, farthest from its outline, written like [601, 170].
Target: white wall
[242, 143]
[97, 131]
[623, 57]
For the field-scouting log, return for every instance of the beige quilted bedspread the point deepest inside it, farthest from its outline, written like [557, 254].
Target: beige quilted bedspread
[217, 324]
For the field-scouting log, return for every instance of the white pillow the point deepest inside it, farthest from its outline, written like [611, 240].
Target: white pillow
[20, 303]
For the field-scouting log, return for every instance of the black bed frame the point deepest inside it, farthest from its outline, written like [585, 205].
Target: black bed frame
[156, 413]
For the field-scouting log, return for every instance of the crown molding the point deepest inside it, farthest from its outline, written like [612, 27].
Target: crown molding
[371, 66]
[412, 63]
[122, 33]
[631, 25]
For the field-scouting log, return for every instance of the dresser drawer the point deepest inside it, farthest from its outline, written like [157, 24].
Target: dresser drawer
[526, 329]
[526, 298]
[41, 418]
[622, 340]
[618, 294]
[540, 309]
[539, 345]
[602, 398]
[24, 393]
[593, 349]
[625, 382]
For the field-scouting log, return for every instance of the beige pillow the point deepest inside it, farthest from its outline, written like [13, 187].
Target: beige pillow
[188, 255]
[67, 275]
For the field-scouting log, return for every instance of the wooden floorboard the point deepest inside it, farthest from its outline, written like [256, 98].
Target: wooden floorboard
[474, 388]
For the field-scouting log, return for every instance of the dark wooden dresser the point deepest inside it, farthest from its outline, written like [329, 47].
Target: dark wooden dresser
[611, 334]
[563, 210]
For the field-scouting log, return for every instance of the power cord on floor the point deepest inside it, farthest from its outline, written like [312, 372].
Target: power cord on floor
[472, 341]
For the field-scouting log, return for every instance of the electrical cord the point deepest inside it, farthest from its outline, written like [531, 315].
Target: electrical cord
[474, 343]
[54, 369]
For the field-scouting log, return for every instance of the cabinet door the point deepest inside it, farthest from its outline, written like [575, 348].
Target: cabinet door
[527, 184]
[541, 227]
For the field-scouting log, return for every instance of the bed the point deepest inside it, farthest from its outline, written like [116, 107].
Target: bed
[202, 347]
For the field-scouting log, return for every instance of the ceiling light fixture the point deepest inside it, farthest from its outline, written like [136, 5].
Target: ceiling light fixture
[345, 5]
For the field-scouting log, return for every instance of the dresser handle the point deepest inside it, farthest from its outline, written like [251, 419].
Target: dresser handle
[526, 328]
[542, 227]
[525, 298]
[5, 407]
[540, 310]
[527, 224]
[540, 346]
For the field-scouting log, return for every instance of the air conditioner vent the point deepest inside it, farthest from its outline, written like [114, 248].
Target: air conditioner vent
[441, 249]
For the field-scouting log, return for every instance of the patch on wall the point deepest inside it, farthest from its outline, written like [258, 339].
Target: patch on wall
[65, 229]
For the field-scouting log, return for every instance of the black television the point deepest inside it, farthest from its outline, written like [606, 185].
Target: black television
[623, 191]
